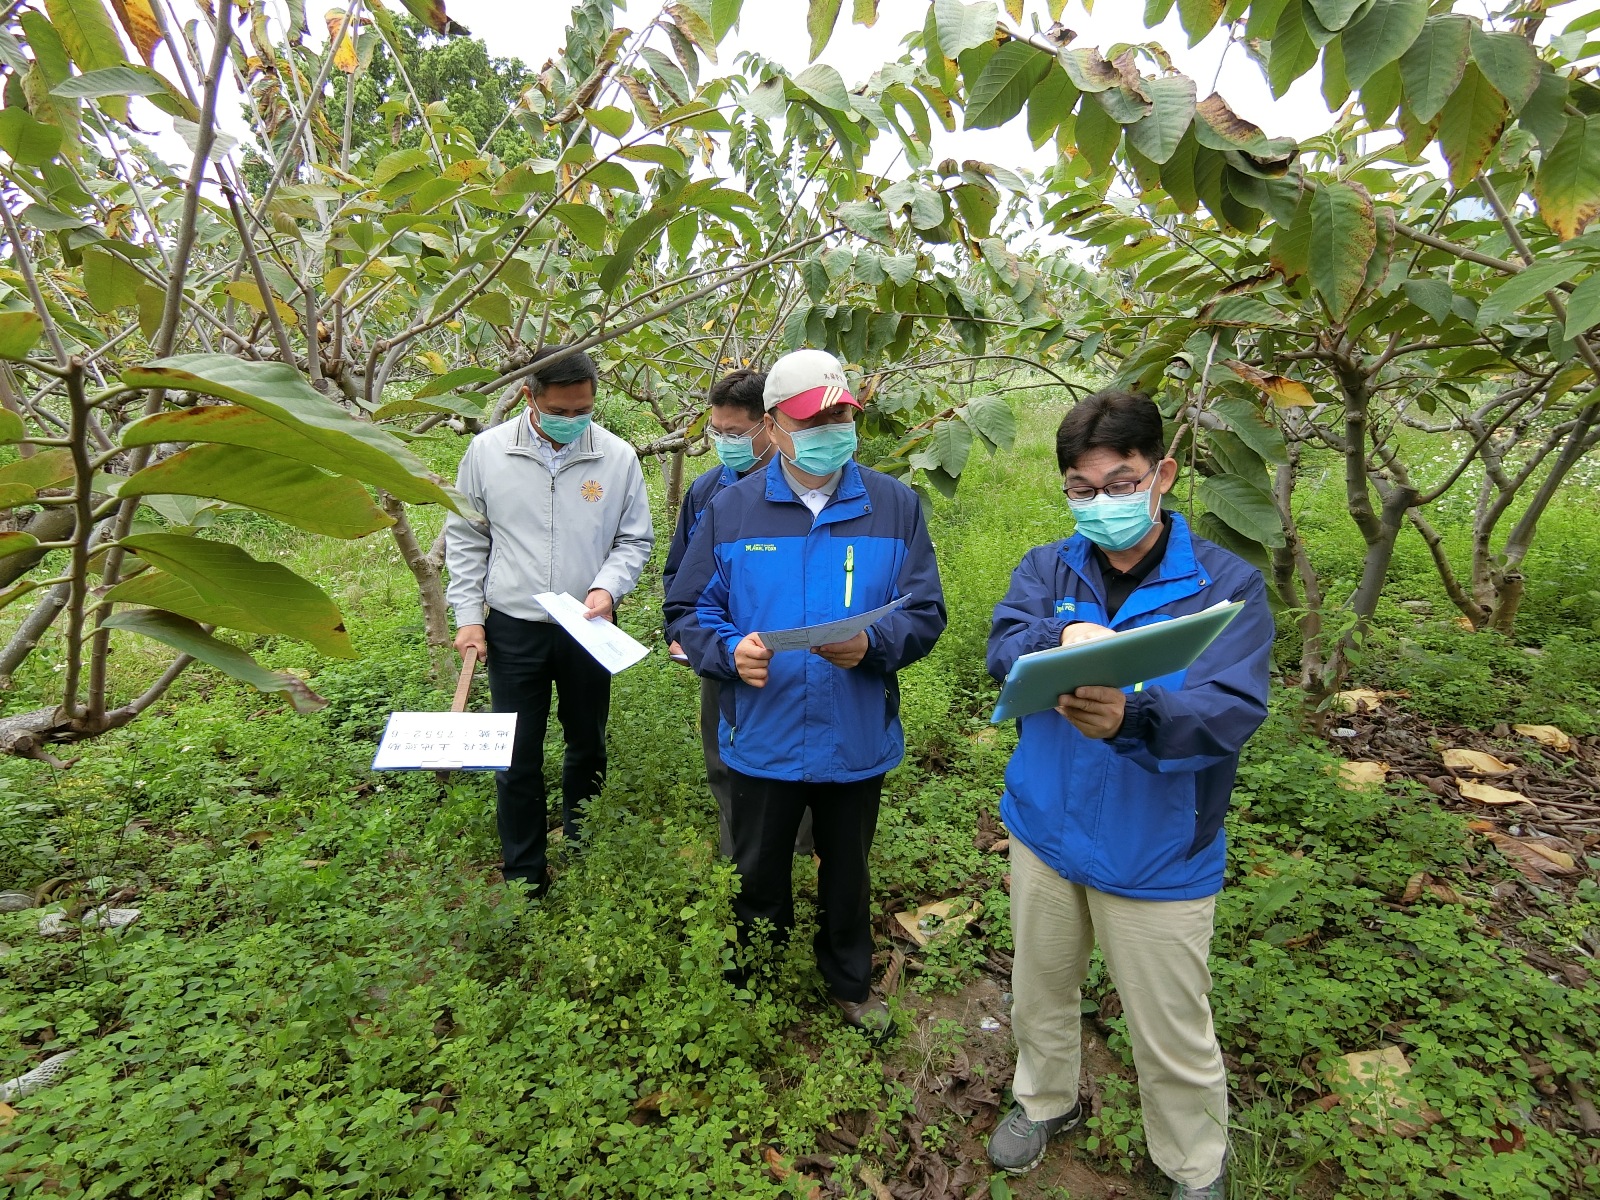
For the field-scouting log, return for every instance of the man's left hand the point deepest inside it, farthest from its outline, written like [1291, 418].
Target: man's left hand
[845, 654]
[599, 605]
[1096, 712]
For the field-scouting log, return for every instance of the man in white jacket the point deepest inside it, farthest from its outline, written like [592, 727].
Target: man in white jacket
[565, 511]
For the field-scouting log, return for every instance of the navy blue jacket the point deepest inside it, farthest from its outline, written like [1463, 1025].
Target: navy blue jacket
[699, 494]
[759, 561]
[1139, 814]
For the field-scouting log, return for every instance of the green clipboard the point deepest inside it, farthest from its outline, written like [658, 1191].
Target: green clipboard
[1124, 659]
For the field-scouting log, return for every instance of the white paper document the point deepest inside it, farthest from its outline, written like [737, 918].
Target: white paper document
[449, 741]
[808, 636]
[611, 648]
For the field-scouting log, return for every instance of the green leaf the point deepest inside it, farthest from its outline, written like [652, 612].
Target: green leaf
[992, 417]
[1005, 84]
[1335, 14]
[820, 20]
[40, 471]
[1526, 287]
[391, 166]
[1158, 135]
[1433, 296]
[824, 85]
[230, 588]
[110, 280]
[1568, 184]
[952, 442]
[493, 307]
[16, 543]
[13, 494]
[1243, 507]
[130, 79]
[1470, 126]
[292, 492]
[1509, 62]
[451, 380]
[864, 219]
[30, 143]
[431, 13]
[1198, 18]
[11, 428]
[1098, 135]
[1252, 427]
[1545, 113]
[187, 637]
[1583, 307]
[612, 120]
[1343, 236]
[19, 331]
[1380, 36]
[643, 227]
[1432, 68]
[586, 224]
[1290, 249]
[280, 394]
[1292, 52]
[1049, 104]
[459, 405]
[963, 27]
[725, 15]
[91, 42]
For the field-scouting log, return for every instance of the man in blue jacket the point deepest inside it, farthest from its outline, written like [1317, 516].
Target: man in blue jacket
[1115, 799]
[737, 427]
[815, 537]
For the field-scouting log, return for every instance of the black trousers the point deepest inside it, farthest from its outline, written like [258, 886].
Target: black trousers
[525, 659]
[844, 817]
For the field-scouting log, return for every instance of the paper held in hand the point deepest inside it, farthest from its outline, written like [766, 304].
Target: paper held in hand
[808, 636]
[451, 741]
[1123, 659]
[611, 648]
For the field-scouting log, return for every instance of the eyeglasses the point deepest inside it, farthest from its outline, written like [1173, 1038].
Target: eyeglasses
[1120, 487]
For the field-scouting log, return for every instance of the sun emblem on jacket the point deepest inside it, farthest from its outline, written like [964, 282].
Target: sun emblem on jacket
[591, 490]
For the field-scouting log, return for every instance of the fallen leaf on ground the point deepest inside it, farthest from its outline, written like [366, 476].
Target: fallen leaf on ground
[1559, 857]
[1003, 846]
[1371, 1085]
[1356, 775]
[932, 920]
[776, 1167]
[1537, 863]
[1357, 699]
[1546, 735]
[1485, 793]
[1414, 887]
[313, 863]
[1476, 762]
[8, 1114]
[869, 1179]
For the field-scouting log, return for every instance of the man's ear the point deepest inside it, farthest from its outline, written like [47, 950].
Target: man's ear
[1166, 475]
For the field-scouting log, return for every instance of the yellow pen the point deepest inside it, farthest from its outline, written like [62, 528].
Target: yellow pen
[849, 572]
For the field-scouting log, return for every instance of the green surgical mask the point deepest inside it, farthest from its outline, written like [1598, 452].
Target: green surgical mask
[562, 430]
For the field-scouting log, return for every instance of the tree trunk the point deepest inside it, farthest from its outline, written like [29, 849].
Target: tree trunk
[675, 482]
[430, 585]
[1508, 598]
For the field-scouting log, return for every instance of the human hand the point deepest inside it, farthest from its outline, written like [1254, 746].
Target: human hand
[675, 653]
[598, 605]
[750, 657]
[845, 654]
[1096, 712]
[472, 637]
[1083, 631]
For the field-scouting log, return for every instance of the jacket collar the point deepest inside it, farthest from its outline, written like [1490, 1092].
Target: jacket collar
[1177, 576]
[849, 498]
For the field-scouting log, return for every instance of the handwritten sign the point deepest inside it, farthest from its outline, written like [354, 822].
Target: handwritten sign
[452, 741]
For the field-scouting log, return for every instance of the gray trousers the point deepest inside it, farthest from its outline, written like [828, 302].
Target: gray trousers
[720, 778]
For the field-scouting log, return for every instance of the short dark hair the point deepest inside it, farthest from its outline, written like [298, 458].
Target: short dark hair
[1123, 422]
[741, 389]
[574, 368]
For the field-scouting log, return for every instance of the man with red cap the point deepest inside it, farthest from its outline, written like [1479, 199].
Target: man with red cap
[812, 538]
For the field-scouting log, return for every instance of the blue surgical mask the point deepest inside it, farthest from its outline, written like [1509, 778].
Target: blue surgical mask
[562, 430]
[738, 454]
[1114, 522]
[823, 450]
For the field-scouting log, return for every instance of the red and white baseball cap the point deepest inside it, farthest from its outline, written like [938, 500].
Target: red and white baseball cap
[805, 382]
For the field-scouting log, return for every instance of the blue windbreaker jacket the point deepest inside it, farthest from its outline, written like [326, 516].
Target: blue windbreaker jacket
[695, 499]
[760, 561]
[1140, 814]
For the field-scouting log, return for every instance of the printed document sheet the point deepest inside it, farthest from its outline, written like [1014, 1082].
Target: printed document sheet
[808, 636]
[450, 741]
[611, 648]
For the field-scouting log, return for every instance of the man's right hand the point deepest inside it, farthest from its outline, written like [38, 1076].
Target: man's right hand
[473, 636]
[751, 658]
[1084, 631]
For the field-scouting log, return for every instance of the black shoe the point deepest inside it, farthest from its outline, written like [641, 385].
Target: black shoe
[871, 1016]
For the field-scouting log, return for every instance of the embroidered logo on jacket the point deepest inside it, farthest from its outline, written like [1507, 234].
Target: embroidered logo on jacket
[1063, 607]
[591, 490]
[749, 546]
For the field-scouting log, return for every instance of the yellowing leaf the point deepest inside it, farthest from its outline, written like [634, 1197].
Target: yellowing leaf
[1483, 793]
[1559, 858]
[246, 292]
[1354, 776]
[1546, 735]
[344, 57]
[1357, 699]
[9, 1114]
[143, 25]
[1476, 762]
[933, 920]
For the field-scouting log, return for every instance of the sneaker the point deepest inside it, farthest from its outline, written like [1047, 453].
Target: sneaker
[871, 1016]
[1018, 1145]
[1217, 1189]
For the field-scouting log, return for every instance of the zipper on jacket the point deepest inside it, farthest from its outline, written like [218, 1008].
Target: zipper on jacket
[849, 572]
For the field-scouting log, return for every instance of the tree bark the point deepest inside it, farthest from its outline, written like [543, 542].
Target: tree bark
[675, 482]
[430, 584]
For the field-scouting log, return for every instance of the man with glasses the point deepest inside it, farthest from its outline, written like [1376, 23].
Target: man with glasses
[738, 433]
[1115, 799]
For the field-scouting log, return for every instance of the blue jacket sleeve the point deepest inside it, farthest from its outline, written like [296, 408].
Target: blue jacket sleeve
[1025, 620]
[908, 633]
[677, 549]
[696, 609]
[1223, 700]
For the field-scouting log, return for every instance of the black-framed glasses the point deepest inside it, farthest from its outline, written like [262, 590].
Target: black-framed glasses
[1118, 487]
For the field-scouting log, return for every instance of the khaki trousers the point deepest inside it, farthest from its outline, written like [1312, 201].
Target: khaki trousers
[1156, 952]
